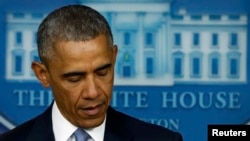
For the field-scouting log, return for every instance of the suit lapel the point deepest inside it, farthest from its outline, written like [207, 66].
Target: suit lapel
[115, 129]
[42, 128]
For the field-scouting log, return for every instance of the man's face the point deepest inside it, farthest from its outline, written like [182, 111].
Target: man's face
[81, 76]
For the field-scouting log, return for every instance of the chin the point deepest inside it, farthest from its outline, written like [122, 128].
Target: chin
[92, 123]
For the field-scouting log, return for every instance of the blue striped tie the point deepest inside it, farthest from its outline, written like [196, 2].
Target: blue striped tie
[81, 135]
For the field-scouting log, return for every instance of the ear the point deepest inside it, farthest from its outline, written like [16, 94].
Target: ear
[115, 49]
[41, 73]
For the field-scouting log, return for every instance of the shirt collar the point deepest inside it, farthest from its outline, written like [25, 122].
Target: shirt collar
[63, 129]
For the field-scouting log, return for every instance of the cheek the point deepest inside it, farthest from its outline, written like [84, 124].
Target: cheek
[65, 96]
[106, 88]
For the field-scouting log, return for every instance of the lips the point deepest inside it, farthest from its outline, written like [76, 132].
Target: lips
[92, 110]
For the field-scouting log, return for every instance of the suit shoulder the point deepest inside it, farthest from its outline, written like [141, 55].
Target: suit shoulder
[18, 132]
[144, 130]
[39, 124]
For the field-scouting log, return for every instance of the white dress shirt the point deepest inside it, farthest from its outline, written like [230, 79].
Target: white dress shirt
[63, 129]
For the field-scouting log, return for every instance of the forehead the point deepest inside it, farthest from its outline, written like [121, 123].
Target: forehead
[74, 48]
[82, 53]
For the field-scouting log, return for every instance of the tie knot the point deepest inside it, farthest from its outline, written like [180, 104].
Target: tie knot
[81, 135]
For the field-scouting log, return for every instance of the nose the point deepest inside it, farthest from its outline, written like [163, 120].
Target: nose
[91, 89]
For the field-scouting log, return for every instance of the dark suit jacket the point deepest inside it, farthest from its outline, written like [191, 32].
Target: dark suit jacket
[119, 127]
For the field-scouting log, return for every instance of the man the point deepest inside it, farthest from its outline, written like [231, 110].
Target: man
[77, 54]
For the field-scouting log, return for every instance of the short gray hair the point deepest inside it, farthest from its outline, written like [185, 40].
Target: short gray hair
[70, 23]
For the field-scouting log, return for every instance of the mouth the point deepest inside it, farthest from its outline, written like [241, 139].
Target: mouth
[92, 110]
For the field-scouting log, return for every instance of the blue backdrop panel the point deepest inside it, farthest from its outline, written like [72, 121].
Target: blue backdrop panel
[182, 64]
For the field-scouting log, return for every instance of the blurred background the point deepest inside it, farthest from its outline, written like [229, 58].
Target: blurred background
[182, 64]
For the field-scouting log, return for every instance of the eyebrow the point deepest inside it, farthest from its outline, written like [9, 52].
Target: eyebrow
[69, 74]
[103, 67]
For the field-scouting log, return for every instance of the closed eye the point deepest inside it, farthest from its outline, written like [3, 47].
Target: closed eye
[74, 79]
[73, 76]
[102, 72]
